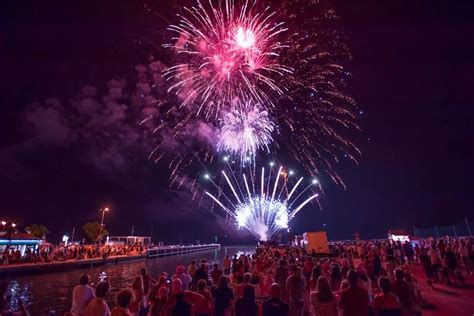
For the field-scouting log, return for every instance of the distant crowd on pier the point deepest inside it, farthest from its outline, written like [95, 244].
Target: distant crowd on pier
[52, 253]
[361, 278]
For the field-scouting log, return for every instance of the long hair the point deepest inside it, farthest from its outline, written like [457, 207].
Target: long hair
[324, 290]
[316, 273]
[223, 283]
[336, 273]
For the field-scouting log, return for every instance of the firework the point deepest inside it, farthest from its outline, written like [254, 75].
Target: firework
[316, 117]
[225, 53]
[262, 205]
[244, 131]
[230, 54]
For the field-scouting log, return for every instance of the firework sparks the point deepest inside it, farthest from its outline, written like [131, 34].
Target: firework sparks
[317, 117]
[245, 131]
[263, 210]
[231, 55]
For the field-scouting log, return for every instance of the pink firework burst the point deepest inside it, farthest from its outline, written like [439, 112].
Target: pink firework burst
[229, 55]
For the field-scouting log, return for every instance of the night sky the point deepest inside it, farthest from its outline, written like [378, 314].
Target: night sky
[412, 75]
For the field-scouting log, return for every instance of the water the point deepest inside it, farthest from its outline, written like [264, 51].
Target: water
[50, 294]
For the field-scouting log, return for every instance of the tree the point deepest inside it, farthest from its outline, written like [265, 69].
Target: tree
[38, 231]
[95, 231]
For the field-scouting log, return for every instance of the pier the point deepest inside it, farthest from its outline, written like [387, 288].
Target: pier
[164, 251]
[60, 266]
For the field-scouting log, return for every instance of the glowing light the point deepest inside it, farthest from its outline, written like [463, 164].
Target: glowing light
[291, 172]
[13, 225]
[258, 211]
[207, 176]
[230, 54]
[272, 163]
[315, 181]
[245, 131]
[245, 38]
[4, 223]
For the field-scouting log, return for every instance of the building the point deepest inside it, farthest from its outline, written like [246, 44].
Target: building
[127, 240]
[399, 235]
[19, 241]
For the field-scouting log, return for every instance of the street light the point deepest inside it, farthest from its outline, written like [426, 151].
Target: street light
[4, 223]
[106, 209]
[13, 225]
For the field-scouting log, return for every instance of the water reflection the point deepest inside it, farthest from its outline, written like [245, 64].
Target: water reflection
[50, 294]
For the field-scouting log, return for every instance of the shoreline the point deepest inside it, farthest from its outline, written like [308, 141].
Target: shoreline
[24, 269]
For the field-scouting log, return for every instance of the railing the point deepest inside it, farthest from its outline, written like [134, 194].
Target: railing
[162, 251]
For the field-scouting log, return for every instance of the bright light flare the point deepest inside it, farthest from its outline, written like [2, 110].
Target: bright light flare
[245, 38]
[229, 52]
[266, 210]
[244, 132]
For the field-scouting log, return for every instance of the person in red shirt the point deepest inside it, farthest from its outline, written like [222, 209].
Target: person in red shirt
[216, 274]
[307, 270]
[354, 301]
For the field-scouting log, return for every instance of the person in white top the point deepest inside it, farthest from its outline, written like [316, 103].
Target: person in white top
[82, 295]
[98, 306]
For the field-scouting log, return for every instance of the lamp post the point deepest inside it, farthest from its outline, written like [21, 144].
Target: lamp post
[105, 209]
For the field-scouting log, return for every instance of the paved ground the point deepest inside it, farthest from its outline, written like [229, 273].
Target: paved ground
[446, 300]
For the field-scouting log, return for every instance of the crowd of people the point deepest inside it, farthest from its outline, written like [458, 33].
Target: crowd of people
[52, 253]
[360, 278]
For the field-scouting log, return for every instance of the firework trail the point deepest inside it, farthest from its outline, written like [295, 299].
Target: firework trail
[262, 203]
[230, 53]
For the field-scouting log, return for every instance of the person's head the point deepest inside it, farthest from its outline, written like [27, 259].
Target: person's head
[323, 289]
[162, 280]
[163, 292]
[335, 272]
[102, 289]
[84, 280]
[384, 284]
[124, 298]
[223, 282]
[352, 278]
[247, 277]
[294, 269]
[275, 290]
[399, 274]
[316, 273]
[249, 293]
[201, 285]
[193, 262]
[176, 286]
[180, 269]
[216, 266]
[143, 271]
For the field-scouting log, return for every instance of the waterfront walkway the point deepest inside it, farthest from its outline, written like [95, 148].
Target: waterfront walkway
[74, 264]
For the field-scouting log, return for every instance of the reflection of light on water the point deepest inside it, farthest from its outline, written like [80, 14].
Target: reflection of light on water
[18, 292]
[102, 277]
